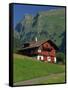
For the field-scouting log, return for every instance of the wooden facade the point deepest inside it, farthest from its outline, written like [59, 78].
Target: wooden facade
[45, 51]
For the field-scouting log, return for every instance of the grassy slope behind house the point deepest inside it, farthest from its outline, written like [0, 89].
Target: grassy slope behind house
[26, 68]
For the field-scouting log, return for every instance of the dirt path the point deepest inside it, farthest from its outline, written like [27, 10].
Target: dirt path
[37, 80]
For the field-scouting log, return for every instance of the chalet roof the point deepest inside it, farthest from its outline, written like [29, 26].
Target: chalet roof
[39, 43]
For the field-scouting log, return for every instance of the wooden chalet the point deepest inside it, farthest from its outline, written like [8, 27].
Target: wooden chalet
[42, 50]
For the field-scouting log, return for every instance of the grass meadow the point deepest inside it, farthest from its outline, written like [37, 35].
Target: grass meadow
[26, 68]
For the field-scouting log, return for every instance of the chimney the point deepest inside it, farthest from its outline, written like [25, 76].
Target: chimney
[36, 39]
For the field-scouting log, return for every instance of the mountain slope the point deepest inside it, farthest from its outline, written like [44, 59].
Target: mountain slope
[44, 25]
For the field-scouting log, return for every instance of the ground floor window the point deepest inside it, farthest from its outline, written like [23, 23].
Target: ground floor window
[39, 57]
[54, 59]
[48, 58]
[51, 59]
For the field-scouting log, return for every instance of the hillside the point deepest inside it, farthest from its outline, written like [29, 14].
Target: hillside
[44, 25]
[26, 68]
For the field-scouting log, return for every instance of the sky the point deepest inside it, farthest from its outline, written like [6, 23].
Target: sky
[19, 10]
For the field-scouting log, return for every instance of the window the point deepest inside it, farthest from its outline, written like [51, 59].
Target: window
[49, 58]
[39, 50]
[39, 57]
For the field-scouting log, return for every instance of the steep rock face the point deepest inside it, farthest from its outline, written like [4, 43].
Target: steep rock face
[44, 25]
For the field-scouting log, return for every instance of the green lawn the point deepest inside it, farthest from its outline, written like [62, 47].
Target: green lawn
[26, 68]
[59, 78]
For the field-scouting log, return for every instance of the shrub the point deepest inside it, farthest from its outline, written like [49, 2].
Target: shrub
[60, 57]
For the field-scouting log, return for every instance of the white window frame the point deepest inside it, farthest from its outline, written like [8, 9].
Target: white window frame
[54, 59]
[39, 50]
[48, 58]
[39, 56]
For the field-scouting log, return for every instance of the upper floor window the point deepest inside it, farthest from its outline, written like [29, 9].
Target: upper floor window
[39, 50]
